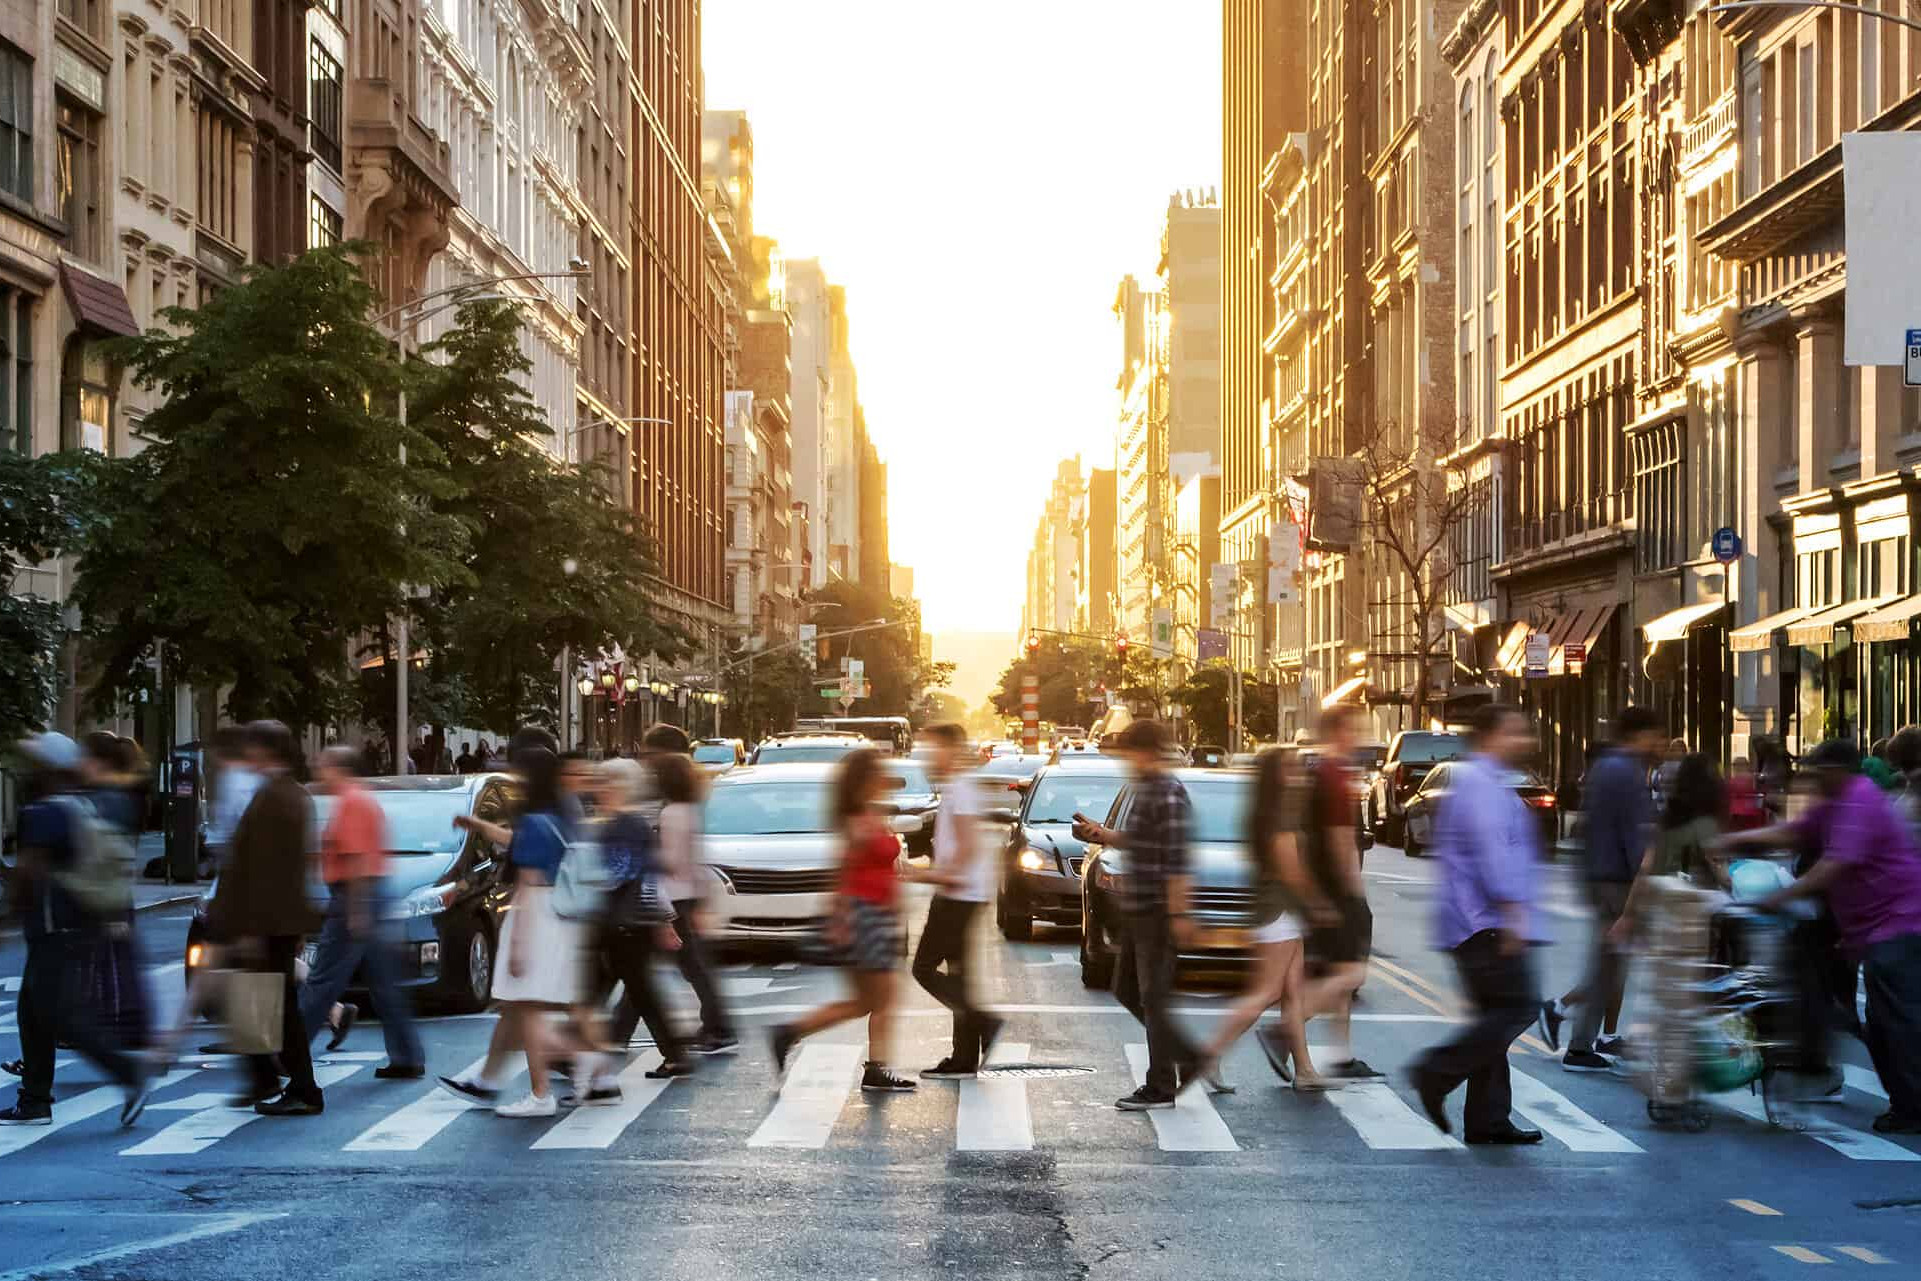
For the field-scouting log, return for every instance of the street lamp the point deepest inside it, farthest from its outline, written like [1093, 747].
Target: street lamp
[585, 685]
[1736, 6]
[631, 684]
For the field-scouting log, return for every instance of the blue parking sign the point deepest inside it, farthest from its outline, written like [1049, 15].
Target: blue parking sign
[1726, 545]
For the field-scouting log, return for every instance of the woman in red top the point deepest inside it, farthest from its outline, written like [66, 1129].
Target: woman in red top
[866, 922]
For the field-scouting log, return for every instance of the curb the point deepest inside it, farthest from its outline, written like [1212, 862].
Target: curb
[10, 928]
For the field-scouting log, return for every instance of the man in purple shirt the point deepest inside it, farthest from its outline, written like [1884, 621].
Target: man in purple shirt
[1870, 871]
[1488, 847]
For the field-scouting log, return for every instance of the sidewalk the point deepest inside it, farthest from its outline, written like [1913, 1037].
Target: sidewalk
[148, 896]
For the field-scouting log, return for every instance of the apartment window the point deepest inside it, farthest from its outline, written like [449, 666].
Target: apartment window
[88, 15]
[219, 176]
[16, 122]
[16, 371]
[323, 224]
[78, 179]
[1806, 101]
[86, 397]
[324, 128]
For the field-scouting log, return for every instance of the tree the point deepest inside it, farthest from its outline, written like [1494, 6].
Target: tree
[1073, 670]
[1412, 509]
[938, 706]
[269, 522]
[1206, 695]
[895, 671]
[46, 506]
[769, 693]
[550, 561]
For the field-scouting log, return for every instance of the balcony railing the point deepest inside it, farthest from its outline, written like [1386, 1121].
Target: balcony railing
[1709, 130]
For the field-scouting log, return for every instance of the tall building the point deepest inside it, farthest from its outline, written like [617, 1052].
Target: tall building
[809, 305]
[1052, 558]
[874, 568]
[1096, 599]
[603, 300]
[678, 317]
[1140, 457]
[1197, 551]
[900, 582]
[846, 430]
[1190, 287]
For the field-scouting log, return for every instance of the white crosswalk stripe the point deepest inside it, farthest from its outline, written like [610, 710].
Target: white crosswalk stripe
[68, 1112]
[1384, 1122]
[598, 1127]
[408, 1129]
[1856, 1145]
[1560, 1119]
[818, 1080]
[991, 1115]
[1864, 1080]
[200, 1130]
[1192, 1124]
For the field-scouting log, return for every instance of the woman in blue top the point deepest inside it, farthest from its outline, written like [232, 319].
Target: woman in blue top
[540, 951]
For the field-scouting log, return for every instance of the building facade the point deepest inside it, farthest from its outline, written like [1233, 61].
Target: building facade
[1052, 558]
[1096, 595]
[808, 303]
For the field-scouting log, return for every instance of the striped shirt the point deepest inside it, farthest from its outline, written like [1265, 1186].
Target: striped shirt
[1155, 841]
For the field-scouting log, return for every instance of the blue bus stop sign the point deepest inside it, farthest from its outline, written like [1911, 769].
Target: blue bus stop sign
[1727, 545]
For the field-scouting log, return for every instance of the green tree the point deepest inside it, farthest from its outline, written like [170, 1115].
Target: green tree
[550, 559]
[769, 694]
[46, 506]
[1073, 671]
[269, 523]
[896, 673]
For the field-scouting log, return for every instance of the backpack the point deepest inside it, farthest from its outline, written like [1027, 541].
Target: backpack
[582, 884]
[100, 877]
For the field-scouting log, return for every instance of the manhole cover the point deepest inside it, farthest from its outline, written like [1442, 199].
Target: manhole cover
[1027, 1071]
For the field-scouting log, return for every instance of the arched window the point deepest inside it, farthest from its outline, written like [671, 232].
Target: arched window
[87, 381]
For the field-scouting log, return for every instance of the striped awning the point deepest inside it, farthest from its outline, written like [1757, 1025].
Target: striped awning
[1513, 651]
[1818, 628]
[1577, 625]
[1676, 623]
[1762, 633]
[1890, 622]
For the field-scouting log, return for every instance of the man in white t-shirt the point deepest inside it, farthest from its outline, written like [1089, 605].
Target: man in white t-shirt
[963, 876]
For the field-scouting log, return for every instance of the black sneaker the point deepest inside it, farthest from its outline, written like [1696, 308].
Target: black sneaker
[949, 1070]
[602, 1095]
[882, 1080]
[137, 1096]
[1354, 1070]
[1614, 1047]
[782, 1039]
[14, 1067]
[290, 1104]
[470, 1091]
[990, 1033]
[715, 1043]
[399, 1072]
[1145, 1099]
[1549, 1022]
[27, 1114]
[1586, 1061]
[349, 1015]
[1892, 1122]
[1433, 1098]
[668, 1069]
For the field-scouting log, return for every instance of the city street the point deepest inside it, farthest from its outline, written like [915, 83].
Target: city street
[1018, 1175]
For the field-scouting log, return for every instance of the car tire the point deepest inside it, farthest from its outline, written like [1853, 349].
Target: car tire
[1393, 831]
[1097, 967]
[1012, 915]
[469, 985]
[1412, 848]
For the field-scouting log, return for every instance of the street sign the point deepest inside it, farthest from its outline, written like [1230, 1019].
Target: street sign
[1163, 645]
[1537, 654]
[1574, 656]
[1727, 543]
[1210, 642]
[1912, 367]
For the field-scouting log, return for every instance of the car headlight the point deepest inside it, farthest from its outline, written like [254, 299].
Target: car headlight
[1031, 860]
[1108, 874]
[428, 900]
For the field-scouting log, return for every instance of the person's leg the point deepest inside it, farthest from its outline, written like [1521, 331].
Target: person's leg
[336, 955]
[1480, 1039]
[1265, 986]
[296, 1060]
[1893, 977]
[532, 1021]
[876, 989]
[632, 955]
[1506, 999]
[390, 1002]
[1168, 1050]
[73, 1013]
[1606, 972]
[1127, 974]
[1293, 1021]
[944, 942]
[698, 970]
[39, 1029]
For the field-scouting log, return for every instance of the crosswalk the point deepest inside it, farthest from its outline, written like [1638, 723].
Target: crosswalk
[819, 1107]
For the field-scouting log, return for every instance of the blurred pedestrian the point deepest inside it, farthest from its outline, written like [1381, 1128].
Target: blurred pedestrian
[355, 937]
[637, 927]
[540, 950]
[1155, 924]
[866, 921]
[1666, 766]
[1488, 846]
[56, 878]
[1869, 871]
[1686, 841]
[1746, 806]
[466, 762]
[1904, 755]
[1341, 939]
[1877, 770]
[1619, 825]
[115, 783]
[234, 785]
[1284, 896]
[963, 877]
[259, 914]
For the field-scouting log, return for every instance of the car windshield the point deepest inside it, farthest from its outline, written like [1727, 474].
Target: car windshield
[417, 822]
[1436, 780]
[1218, 810]
[714, 754]
[1425, 749]
[1061, 795]
[913, 778]
[802, 753]
[767, 809]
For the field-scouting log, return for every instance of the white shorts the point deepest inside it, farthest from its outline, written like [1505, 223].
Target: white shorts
[1282, 929]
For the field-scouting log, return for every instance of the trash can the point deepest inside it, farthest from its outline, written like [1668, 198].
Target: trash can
[186, 792]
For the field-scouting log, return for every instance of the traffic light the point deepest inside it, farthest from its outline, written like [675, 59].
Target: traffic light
[1033, 644]
[1120, 647]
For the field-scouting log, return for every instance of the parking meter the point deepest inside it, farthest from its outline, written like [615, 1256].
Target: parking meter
[186, 788]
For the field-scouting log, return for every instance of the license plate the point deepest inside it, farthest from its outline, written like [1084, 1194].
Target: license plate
[1221, 939]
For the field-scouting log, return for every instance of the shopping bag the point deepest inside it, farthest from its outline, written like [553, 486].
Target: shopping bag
[255, 1008]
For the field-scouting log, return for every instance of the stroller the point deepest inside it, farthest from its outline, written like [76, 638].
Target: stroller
[1727, 1002]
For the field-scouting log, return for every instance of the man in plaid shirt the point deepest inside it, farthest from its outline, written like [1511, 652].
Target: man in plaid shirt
[1154, 901]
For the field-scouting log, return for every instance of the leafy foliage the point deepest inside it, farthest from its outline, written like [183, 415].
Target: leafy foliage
[1072, 670]
[46, 506]
[768, 694]
[896, 673]
[1207, 693]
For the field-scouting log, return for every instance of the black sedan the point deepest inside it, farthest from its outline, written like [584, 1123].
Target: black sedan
[1422, 807]
[446, 889]
[1041, 860]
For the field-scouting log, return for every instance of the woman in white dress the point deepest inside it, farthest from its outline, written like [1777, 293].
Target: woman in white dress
[1282, 888]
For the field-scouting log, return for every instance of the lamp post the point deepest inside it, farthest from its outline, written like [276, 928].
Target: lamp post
[1736, 6]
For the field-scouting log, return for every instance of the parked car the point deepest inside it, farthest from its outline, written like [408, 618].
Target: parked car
[1409, 758]
[800, 749]
[917, 797]
[1208, 756]
[772, 848]
[1002, 781]
[1040, 858]
[448, 888]
[718, 755]
[1422, 807]
[1220, 876]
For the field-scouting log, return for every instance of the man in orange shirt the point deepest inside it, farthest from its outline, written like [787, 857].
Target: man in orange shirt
[353, 863]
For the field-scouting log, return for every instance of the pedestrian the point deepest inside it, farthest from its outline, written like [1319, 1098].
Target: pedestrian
[1341, 940]
[1284, 895]
[259, 914]
[866, 921]
[1666, 765]
[1876, 768]
[1155, 924]
[541, 949]
[636, 928]
[1747, 808]
[355, 936]
[58, 847]
[1619, 826]
[114, 782]
[1488, 846]
[1869, 871]
[234, 784]
[466, 762]
[963, 877]
[484, 756]
[1904, 755]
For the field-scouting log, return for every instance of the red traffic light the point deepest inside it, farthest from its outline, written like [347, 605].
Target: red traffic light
[1033, 643]
[1120, 645]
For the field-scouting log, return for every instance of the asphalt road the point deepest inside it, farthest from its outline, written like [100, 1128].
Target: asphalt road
[1039, 1177]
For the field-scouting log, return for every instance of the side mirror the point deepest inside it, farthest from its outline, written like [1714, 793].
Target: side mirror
[904, 824]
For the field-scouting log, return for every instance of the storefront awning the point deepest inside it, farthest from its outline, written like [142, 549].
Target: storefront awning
[1513, 650]
[1760, 634]
[1352, 687]
[1583, 626]
[1818, 628]
[1890, 622]
[1676, 623]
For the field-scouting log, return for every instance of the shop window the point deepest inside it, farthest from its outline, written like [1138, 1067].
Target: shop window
[86, 397]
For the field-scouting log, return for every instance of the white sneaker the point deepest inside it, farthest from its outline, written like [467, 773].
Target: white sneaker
[533, 1105]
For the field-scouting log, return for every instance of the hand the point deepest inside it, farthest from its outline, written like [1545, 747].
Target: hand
[701, 925]
[1621, 933]
[1181, 929]
[516, 962]
[466, 822]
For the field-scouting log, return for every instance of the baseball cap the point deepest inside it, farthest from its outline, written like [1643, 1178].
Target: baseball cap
[51, 750]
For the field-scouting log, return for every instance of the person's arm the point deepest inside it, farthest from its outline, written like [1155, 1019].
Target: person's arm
[1788, 833]
[1173, 836]
[486, 830]
[1816, 880]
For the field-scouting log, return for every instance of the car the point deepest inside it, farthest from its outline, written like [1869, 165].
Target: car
[1074, 747]
[1208, 756]
[797, 749]
[1423, 806]
[917, 797]
[774, 853]
[1001, 782]
[1041, 858]
[1409, 757]
[718, 755]
[1004, 748]
[448, 888]
[1220, 876]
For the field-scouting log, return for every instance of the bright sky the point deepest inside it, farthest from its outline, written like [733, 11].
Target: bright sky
[979, 177]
